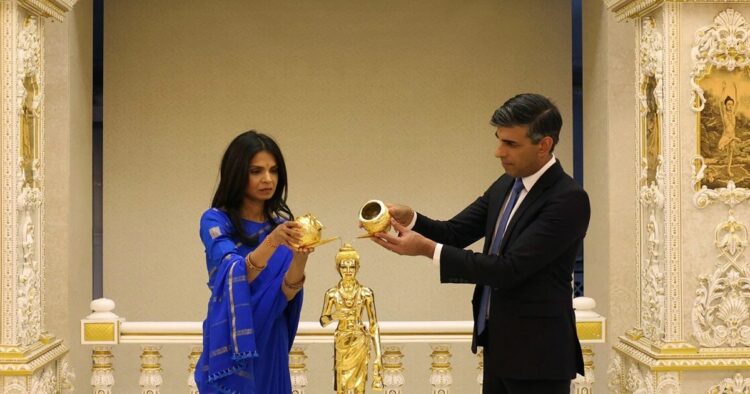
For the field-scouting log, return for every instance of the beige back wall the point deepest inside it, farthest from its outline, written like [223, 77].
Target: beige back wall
[609, 173]
[67, 118]
[375, 99]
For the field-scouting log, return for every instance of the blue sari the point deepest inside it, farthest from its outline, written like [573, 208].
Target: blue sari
[250, 327]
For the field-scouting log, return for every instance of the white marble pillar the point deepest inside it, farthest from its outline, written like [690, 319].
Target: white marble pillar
[31, 359]
[693, 175]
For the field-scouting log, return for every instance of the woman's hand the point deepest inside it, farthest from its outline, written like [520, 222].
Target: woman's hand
[303, 250]
[287, 234]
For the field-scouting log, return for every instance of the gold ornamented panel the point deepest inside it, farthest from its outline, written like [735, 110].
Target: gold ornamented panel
[652, 297]
[99, 332]
[590, 331]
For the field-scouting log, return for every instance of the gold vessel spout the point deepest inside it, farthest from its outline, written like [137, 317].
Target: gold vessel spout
[312, 231]
[374, 218]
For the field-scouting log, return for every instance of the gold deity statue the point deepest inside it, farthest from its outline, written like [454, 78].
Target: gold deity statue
[352, 339]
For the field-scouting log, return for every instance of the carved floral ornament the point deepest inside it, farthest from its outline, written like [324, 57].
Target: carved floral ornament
[28, 312]
[630, 376]
[29, 59]
[614, 374]
[731, 385]
[721, 314]
[729, 195]
[650, 94]
[651, 63]
[724, 44]
[652, 274]
[44, 381]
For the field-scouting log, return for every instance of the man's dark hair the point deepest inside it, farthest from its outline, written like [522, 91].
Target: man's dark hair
[533, 110]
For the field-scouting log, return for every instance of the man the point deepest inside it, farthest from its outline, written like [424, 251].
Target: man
[533, 219]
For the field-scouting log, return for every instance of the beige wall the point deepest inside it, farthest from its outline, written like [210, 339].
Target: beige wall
[68, 181]
[376, 99]
[609, 172]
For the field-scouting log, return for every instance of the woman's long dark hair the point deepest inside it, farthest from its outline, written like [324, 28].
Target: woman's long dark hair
[234, 175]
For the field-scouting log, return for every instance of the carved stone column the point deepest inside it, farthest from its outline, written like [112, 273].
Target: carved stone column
[393, 369]
[693, 159]
[102, 370]
[480, 375]
[298, 369]
[31, 359]
[102, 329]
[195, 355]
[585, 384]
[151, 378]
[441, 377]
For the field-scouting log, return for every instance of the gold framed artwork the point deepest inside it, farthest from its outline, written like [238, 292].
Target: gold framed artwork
[651, 147]
[724, 128]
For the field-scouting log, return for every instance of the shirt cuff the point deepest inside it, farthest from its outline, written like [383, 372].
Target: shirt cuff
[413, 221]
[436, 254]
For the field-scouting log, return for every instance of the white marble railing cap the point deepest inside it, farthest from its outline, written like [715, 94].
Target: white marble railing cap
[584, 307]
[102, 308]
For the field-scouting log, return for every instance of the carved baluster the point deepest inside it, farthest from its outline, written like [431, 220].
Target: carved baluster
[102, 371]
[297, 369]
[441, 378]
[151, 378]
[480, 376]
[393, 369]
[195, 354]
[584, 384]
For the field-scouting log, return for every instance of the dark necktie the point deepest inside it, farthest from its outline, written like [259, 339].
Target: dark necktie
[495, 249]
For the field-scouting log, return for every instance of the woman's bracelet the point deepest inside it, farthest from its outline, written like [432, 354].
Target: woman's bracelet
[296, 285]
[251, 263]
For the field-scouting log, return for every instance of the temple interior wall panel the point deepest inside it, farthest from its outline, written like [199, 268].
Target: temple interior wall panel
[354, 93]
[69, 186]
[691, 309]
[610, 273]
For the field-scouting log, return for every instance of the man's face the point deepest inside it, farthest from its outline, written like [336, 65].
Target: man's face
[519, 155]
[348, 269]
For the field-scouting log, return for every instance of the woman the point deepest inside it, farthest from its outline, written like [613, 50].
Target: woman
[255, 273]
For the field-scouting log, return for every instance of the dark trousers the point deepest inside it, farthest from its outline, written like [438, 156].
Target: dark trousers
[515, 386]
[496, 385]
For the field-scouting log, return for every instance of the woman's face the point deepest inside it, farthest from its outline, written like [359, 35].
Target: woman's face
[263, 177]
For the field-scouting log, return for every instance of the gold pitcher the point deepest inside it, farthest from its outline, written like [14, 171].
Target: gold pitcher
[374, 217]
[312, 231]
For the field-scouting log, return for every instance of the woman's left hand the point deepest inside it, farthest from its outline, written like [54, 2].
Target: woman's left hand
[304, 250]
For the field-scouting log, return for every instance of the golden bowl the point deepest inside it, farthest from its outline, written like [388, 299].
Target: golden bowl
[374, 217]
[311, 229]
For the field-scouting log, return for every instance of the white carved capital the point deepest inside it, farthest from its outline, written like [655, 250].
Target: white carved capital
[724, 45]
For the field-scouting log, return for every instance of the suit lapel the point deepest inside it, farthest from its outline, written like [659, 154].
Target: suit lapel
[545, 181]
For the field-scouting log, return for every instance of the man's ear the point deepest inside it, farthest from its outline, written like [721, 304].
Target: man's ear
[545, 145]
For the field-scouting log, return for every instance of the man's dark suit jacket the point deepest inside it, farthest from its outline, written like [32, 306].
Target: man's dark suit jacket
[531, 332]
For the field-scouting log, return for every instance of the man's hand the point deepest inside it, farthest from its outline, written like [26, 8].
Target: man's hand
[406, 243]
[401, 213]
